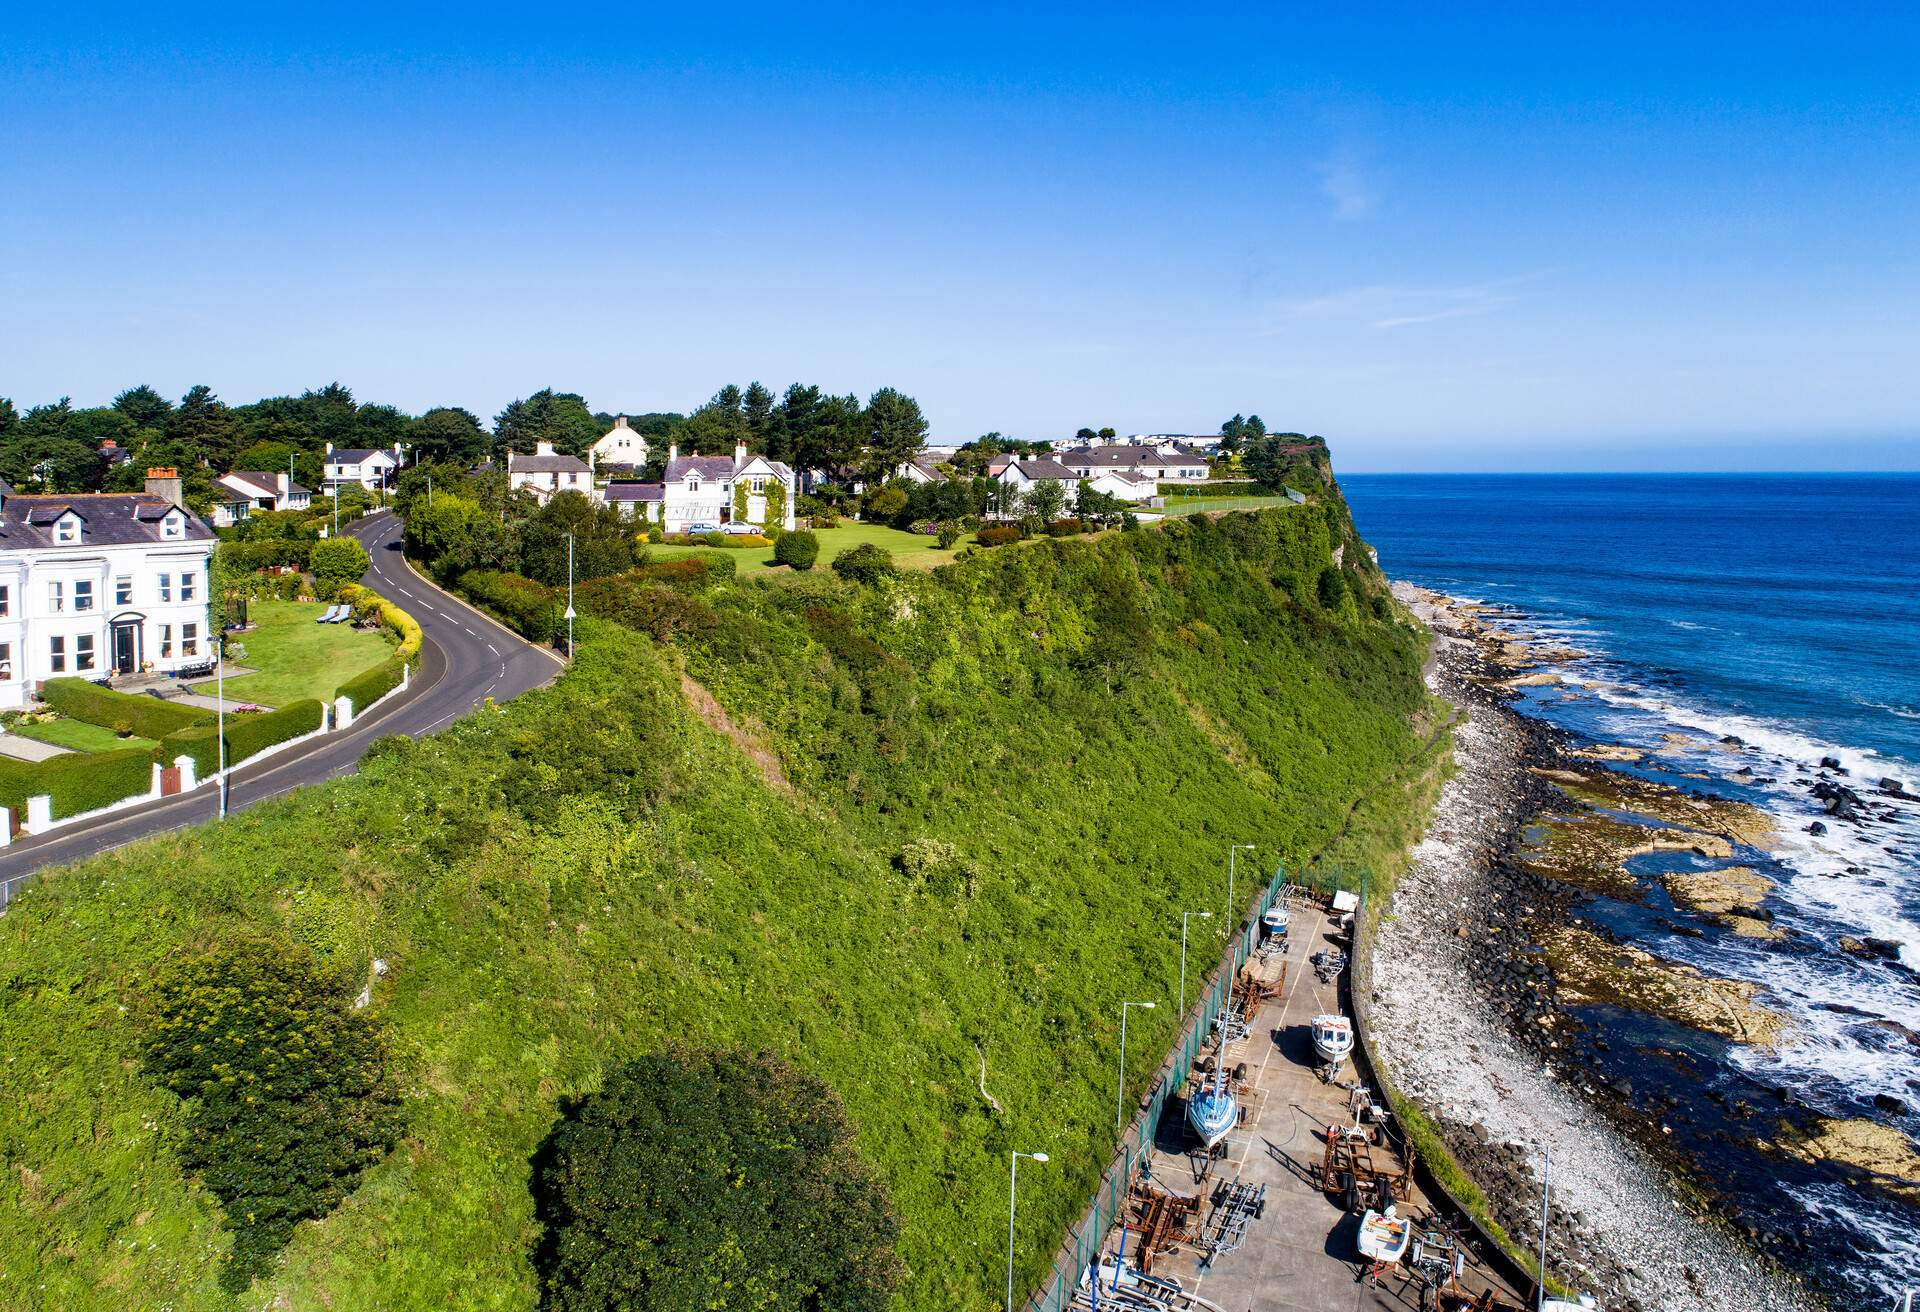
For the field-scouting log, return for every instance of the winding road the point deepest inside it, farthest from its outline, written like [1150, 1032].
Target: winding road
[465, 658]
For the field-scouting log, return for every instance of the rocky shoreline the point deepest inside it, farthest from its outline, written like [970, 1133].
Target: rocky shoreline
[1466, 1014]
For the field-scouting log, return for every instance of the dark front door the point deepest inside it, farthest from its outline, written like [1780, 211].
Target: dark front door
[126, 655]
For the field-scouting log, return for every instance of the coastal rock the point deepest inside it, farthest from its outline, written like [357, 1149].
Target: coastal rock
[1590, 969]
[1717, 892]
[1875, 949]
[1881, 1151]
[1816, 829]
[1610, 790]
[1753, 927]
[1610, 752]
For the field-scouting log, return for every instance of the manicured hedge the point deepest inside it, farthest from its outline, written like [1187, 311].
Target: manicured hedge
[92, 704]
[363, 690]
[77, 781]
[999, 535]
[402, 625]
[530, 609]
[249, 734]
[727, 541]
[198, 742]
[243, 557]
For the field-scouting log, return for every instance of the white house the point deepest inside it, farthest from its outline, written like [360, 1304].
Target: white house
[1087, 461]
[1125, 484]
[747, 489]
[1028, 472]
[370, 469]
[920, 469]
[101, 584]
[620, 445]
[543, 473]
[634, 499]
[239, 494]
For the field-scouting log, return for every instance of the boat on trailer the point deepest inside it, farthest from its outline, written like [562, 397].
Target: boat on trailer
[1384, 1237]
[1276, 920]
[1332, 1038]
[1214, 1111]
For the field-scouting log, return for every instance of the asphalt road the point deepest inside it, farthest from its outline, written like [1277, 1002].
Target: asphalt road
[464, 659]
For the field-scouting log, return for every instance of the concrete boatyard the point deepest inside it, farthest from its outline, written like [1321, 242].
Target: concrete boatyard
[1298, 1252]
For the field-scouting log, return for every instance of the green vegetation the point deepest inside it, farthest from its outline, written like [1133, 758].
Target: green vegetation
[288, 1097]
[294, 657]
[254, 733]
[797, 550]
[1205, 505]
[77, 735]
[889, 832]
[910, 550]
[718, 1179]
[865, 563]
[76, 782]
[79, 699]
[336, 561]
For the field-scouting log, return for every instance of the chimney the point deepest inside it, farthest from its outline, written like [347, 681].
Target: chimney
[620, 421]
[163, 481]
[543, 448]
[673, 452]
[282, 481]
[329, 448]
[739, 453]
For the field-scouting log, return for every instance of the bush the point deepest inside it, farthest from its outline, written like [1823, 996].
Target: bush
[400, 624]
[826, 518]
[797, 550]
[1332, 588]
[338, 561]
[368, 687]
[286, 1090]
[652, 608]
[92, 704]
[865, 563]
[199, 742]
[250, 734]
[123, 728]
[948, 535]
[886, 503]
[1066, 528]
[711, 1170]
[530, 609]
[77, 782]
[999, 535]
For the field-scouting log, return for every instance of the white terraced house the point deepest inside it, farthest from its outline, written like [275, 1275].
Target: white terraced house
[101, 584]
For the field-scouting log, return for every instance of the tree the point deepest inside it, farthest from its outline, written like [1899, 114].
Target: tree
[865, 563]
[797, 550]
[303, 466]
[1045, 499]
[338, 560]
[203, 426]
[1233, 434]
[1265, 462]
[145, 407]
[895, 432]
[886, 502]
[456, 534]
[726, 1180]
[602, 542]
[756, 409]
[1255, 428]
[9, 417]
[561, 418]
[1101, 507]
[447, 434]
[719, 425]
[41, 453]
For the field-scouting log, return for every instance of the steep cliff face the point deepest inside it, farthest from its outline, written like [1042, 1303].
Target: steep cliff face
[898, 832]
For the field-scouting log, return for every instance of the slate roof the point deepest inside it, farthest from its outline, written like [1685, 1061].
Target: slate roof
[714, 467]
[113, 519]
[1127, 475]
[519, 464]
[355, 456]
[928, 466]
[1126, 457]
[265, 485]
[633, 491]
[1045, 467]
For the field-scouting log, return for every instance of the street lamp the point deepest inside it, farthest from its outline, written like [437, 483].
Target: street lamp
[1185, 916]
[569, 596]
[1233, 918]
[220, 716]
[1120, 1094]
[1013, 1196]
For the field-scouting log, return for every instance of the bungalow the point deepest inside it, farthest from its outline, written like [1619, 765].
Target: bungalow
[747, 489]
[1029, 472]
[920, 469]
[1181, 464]
[370, 469]
[1125, 484]
[621, 447]
[543, 473]
[239, 494]
[634, 499]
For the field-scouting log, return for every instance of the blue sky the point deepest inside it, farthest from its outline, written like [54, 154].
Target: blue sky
[1510, 239]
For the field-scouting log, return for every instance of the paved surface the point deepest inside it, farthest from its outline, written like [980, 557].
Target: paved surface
[27, 749]
[1300, 1255]
[464, 659]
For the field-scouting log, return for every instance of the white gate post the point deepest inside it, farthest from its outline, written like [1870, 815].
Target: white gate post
[154, 789]
[185, 766]
[342, 711]
[39, 813]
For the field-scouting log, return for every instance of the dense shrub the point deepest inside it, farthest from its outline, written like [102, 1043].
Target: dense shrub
[886, 502]
[1066, 528]
[652, 608]
[77, 782]
[1332, 588]
[694, 572]
[865, 563]
[249, 734]
[286, 1088]
[724, 541]
[369, 686]
[244, 557]
[92, 704]
[726, 1172]
[797, 550]
[530, 609]
[199, 742]
[948, 535]
[999, 535]
[404, 628]
[338, 561]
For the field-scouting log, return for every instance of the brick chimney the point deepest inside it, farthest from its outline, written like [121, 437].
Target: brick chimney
[739, 453]
[543, 448]
[163, 481]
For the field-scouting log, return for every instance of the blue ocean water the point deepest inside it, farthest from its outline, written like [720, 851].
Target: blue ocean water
[1790, 599]
[1783, 610]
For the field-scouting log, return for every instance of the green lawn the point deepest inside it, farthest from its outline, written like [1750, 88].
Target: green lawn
[297, 658]
[78, 736]
[1196, 505]
[910, 550]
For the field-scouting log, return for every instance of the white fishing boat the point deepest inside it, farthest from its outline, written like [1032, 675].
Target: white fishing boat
[1213, 1111]
[1332, 1038]
[1384, 1236]
[1276, 920]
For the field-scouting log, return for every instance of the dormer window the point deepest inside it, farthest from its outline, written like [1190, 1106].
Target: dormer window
[173, 525]
[67, 530]
[693, 482]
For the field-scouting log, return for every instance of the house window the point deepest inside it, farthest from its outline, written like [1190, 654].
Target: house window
[186, 587]
[693, 482]
[67, 530]
[170, 527]
[166, 587]
[189, 639]
[756, 484]
[57, 654]
[83, 594]
[6, 662]
[83, 652]
[56, 596]
[166, 641]
[6, 599]
[122, 592]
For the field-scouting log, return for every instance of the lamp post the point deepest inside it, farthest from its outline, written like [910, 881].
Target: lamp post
[1120, 1094]
[220, 717]
[569, 596]
[1233, 918]
[1013, 1198]
[1185, 916]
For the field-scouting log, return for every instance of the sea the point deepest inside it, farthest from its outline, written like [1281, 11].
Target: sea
[1782, 610]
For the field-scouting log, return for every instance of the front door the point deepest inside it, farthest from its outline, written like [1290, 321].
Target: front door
[126, 659]
[756, 508]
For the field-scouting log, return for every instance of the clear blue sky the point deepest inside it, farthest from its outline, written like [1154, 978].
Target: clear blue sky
[1686, 237]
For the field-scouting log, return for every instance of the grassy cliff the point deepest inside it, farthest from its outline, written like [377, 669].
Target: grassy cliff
[890, 831]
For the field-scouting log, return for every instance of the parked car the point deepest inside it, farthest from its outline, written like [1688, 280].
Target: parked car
[739, 529]
[695, 530]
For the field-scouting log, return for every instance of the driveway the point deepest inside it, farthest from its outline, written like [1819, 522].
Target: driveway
[465, 658]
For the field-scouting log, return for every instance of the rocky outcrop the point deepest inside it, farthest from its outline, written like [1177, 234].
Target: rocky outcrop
[1587, 968]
